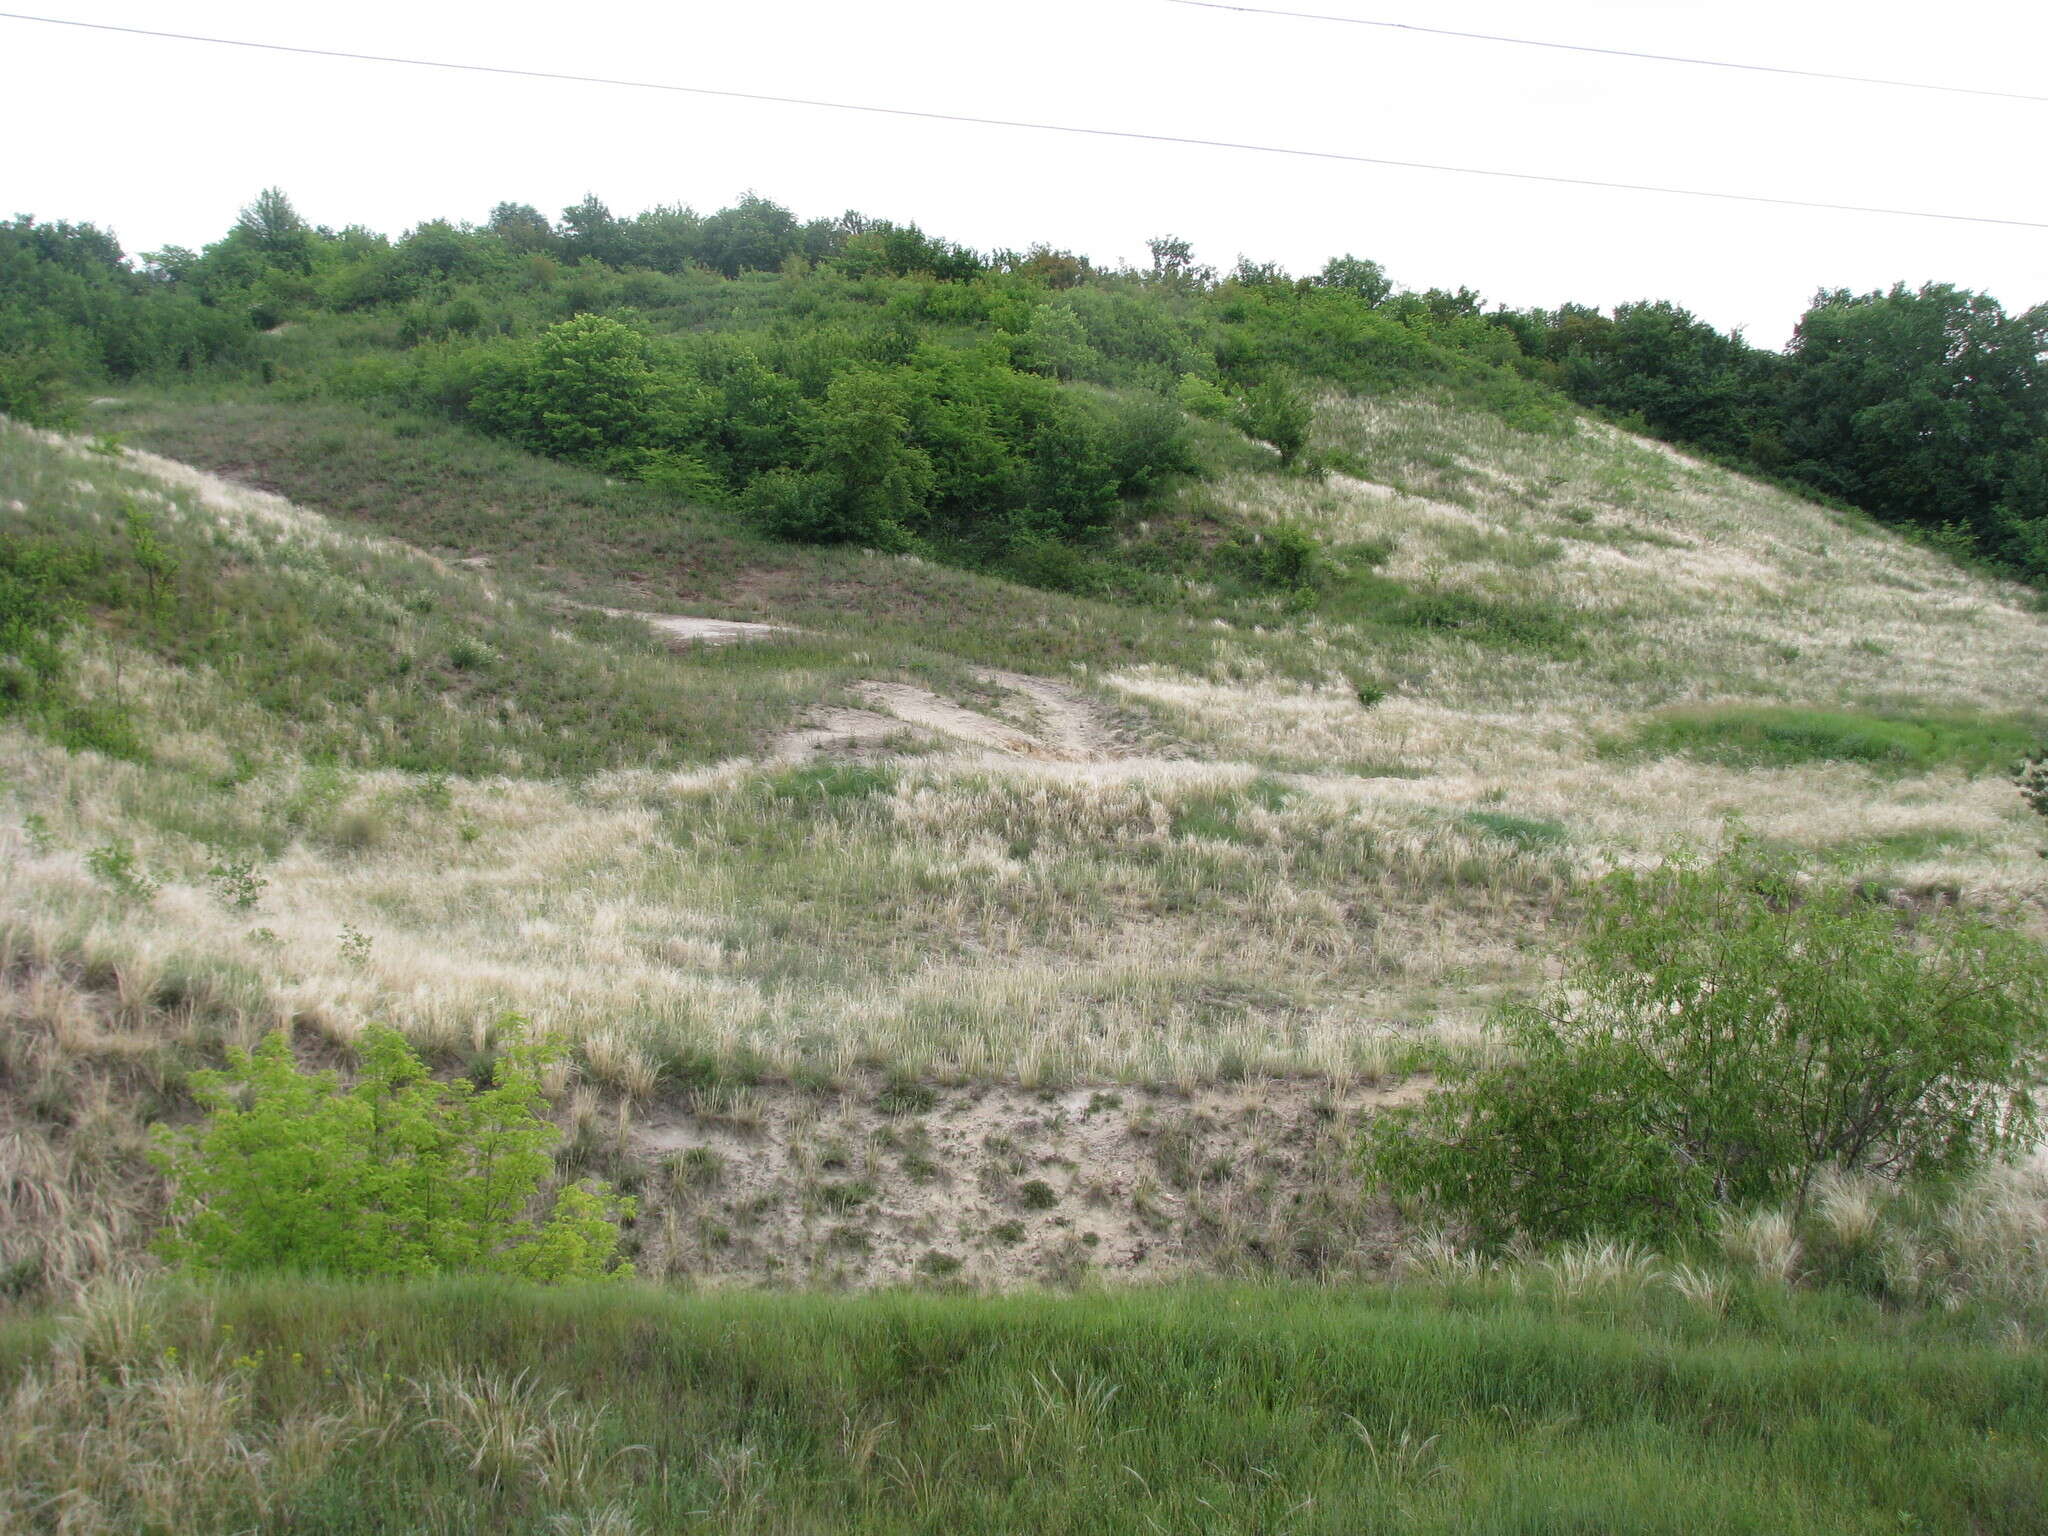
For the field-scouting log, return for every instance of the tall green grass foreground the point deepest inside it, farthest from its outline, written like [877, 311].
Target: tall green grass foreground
[1473, 1408]
[1727, 1034]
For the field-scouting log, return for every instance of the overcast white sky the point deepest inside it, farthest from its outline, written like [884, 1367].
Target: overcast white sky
[164, 141]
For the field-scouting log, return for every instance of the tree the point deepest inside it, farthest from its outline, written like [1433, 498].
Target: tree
[1726, 1033]
[397, 1174]
[589, 389]
[590, 232]
[272, 227]
[1056, 343]
[1683, 378]
[1356, 276]
[875, 481]
[523, 228]
[1173, 264]
[1276, 412]
[1928, 407]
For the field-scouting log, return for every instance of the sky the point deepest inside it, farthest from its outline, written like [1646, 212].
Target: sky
[164, 141]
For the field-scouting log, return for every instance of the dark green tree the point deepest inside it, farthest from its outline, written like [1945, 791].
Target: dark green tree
[1928, 407]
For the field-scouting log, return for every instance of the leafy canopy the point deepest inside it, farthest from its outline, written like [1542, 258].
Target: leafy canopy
[1725, 1034]
[398, 1174]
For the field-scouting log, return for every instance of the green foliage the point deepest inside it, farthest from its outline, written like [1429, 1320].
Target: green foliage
[1275, 411]
[35, 388]
[874, 482]
[1200, 397]
[1755, 736]
[588, 390]
[117, 868]
[1284, 557]
[1928, 407]
[397, 1174]
[236, 885]
[156, 562]
[1726, 1033]
[36, 611]
[2031, 775]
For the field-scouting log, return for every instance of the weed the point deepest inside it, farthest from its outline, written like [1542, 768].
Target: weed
[116, 867]
[354, 945]
[236, 885]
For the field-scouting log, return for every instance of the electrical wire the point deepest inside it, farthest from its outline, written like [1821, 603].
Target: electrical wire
[1613, 53]
[1037, 127]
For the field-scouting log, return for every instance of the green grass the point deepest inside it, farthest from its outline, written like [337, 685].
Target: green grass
[1749, 736]
[1421, 1409]
[369, 655]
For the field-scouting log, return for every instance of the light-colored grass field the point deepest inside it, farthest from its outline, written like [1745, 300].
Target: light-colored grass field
[1275, 881]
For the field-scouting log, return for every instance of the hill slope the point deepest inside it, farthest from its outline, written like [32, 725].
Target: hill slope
[1056, 859]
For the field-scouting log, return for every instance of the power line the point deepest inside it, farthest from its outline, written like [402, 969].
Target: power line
[1003, 122]
[1613, 53]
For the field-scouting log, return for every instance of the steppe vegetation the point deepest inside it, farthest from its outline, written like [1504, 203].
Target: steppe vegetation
[1215, 750]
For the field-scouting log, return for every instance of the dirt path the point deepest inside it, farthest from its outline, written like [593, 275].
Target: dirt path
[920, 706]
[1066, 727]
[1069, 726]
[686, 630]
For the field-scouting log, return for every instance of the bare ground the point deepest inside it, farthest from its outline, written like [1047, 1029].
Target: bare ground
[997, 1186]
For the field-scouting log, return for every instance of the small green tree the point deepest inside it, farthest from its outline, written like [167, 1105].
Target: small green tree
[398, 1174]
[1725, 1034]
[875, 483]
[2031, 775]
[1274, 411]
[591, 389]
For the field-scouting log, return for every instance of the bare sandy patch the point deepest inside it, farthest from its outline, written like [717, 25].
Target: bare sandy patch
[686, 629]
[999, 1186]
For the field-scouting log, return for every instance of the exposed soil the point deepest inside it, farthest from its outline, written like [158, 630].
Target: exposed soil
[1055, 723]
[998, 1186]
[683, 629]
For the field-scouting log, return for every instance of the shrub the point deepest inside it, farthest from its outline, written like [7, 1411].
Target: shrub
[36, 611]
[1727, 1033]
[2031, 775]
[1284, 557]
[1275, 412]
[591, 389]
[399, 1174]
[1199, 397]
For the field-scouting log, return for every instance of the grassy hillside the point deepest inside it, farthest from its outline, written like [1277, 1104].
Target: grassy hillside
[1279, 844]
[977, 928]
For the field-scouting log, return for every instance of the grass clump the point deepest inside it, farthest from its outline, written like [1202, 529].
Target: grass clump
[1756, 736]
[1728, 1034]
[1524, 832]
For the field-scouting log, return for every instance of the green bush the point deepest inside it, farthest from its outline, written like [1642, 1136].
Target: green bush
[397, 1175]
[1725, 1034]
[1284, 557]
[1275, 412]
[591, 389]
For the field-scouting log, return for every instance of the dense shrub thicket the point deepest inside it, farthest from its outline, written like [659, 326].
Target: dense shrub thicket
[1727, 1034]
[1927, 407]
